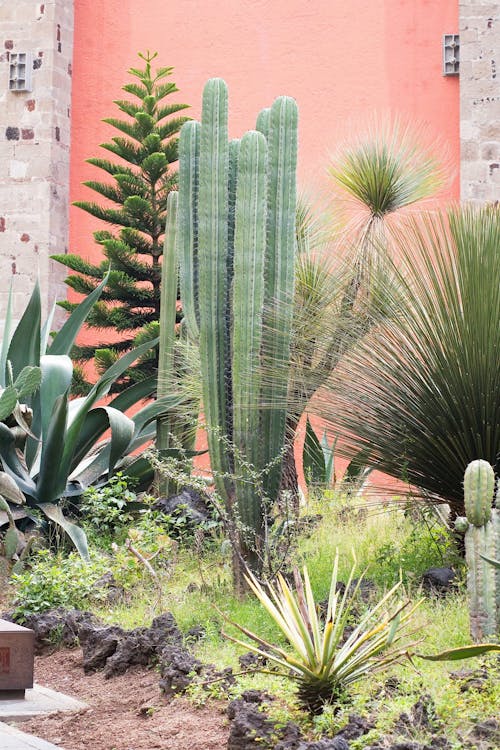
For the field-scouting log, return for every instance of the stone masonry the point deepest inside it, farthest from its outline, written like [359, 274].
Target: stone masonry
[480, 100]
[34, 150]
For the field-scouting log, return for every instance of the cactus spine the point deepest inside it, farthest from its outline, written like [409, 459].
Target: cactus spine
[236, 235]
[480, 540]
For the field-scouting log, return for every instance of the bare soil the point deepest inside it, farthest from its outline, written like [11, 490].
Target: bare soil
[124, 713]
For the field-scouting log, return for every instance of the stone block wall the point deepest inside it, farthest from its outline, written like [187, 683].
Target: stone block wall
[479, 100]
[34, 150]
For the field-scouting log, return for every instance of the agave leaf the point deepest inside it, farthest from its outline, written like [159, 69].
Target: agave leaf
[52, 477]
[99, 390]
[313, 459]
[45, 332]
[57, 372]
[495, 563]
[97, 422]
[329, 456]
[24, 348]
[11, 463]
[6, 339]
[462, 652]
[134, 393]
[75, 533]
[155, 409]
[10, 490]
[63, 341]
[260, 652]
[313, 615]
[287, 628]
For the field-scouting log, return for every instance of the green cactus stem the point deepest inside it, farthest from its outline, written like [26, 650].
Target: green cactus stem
[479, 485]
[236, 244]
[480, 542]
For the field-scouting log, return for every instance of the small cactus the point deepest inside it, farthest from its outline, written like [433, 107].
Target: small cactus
[481, 527]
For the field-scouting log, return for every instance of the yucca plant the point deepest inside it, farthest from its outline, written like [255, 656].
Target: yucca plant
[322, 659]
[421, 393]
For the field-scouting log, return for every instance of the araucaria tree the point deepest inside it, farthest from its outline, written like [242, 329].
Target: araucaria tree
[135, 190]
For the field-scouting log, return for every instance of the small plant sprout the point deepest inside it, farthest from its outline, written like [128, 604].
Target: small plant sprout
[324, 659]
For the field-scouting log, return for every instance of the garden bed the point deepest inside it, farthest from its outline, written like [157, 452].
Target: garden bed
[127, 712]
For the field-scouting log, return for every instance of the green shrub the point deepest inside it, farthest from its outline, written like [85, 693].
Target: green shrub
[58, 581]
[108, 511]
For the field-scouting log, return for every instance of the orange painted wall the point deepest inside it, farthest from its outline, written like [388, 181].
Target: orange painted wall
[343, 60]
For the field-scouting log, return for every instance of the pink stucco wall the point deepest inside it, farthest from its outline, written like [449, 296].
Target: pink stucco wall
[343, 60]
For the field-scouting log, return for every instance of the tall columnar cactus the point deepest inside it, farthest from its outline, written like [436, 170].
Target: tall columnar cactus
[481, 529]
[236, 242]
[495, 520]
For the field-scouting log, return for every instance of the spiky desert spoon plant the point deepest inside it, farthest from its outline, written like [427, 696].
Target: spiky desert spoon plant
[322, 660]
[421, 393]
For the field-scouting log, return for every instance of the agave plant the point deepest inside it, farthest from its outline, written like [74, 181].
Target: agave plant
[421, 394]
[59, 454]
[322, 659]
[318, 461]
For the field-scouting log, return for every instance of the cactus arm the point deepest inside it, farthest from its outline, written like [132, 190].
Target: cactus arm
[187, 235]
[168, 309]
[264, 121]
[248, 302]
[480, 543]
[479, 486]
[213, 257]
[280, 262]
[495, 520]
[481, 581]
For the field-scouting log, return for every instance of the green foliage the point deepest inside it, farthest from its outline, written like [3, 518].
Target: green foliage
[236, 228]
[58, 581]
[109, 510]
[322, 660]
[318, 461]
[318, 458]
[136, 201]
[427, 381]
[59, 454]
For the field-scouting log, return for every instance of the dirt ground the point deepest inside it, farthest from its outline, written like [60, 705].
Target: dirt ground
[124, 713]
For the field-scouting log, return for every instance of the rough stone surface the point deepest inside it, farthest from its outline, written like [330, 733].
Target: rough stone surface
[332, 743]
[98, 645]
[479, 28]
[251, 728]
[438, 581]
[58, 627]
[488, 729]
[421, 717]
[188, 503]
[356, 727]
[34, 183]
[177, 668]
